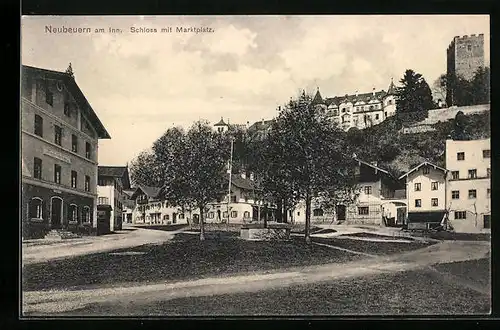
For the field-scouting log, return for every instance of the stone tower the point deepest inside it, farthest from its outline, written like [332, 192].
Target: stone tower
[464, 56]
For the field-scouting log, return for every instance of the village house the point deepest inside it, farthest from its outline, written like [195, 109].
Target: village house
[469, 185]
[59, 144]
[426, 195]
[111, 182]
[379, 196]
[128, 207]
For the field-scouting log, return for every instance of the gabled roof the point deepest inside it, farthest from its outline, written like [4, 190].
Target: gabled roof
[120, 172]
[243, 183]
[261, 125]
[151, 192]
[372, 166]
[416, 168]
[77, 93]
[221, 122]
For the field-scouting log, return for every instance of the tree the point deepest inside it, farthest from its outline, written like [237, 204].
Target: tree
[145, 170]
[481, 86]
[199, 170]
[311, 158]
[414, 97]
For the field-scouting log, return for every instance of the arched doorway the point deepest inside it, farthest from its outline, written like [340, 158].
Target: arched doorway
[56, 212]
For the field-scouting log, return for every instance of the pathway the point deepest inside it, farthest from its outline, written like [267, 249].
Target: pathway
[35, 253]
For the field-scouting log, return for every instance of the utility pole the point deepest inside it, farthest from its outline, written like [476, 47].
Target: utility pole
[229, 183]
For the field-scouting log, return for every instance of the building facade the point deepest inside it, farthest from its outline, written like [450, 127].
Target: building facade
[426, 195]
[469, 185]
[111, 182]
[359, 110]
[379, 195]
[59, 153]
[464, 56]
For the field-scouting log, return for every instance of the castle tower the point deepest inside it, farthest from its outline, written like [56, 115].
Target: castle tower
[464, 56]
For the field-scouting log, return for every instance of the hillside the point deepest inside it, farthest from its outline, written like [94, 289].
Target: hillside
[399, 152]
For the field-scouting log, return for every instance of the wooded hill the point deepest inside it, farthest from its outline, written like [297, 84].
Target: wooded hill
[386, 144]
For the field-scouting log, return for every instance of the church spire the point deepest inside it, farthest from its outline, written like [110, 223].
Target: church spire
[317, 98]
[69, 70]
[392, 88]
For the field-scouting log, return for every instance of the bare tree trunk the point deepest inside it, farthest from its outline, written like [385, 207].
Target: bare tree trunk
[308, 218]
[265, 217]
[279, 210]
[202, 224]
[285, 211]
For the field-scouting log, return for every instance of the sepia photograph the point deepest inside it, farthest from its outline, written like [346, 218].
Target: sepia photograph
[257, 165]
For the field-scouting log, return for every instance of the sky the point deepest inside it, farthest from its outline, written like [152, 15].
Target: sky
[242, 69]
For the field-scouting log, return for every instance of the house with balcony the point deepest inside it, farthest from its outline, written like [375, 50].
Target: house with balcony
[59, 152]
[111, 182]
[469, 185]
[426, 195]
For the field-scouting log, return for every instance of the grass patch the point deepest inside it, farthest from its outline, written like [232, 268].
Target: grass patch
[450, 236]
[183, 258]
[475, 271]
[402, 293]
[376, 248]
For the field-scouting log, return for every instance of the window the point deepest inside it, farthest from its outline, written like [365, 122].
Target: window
[39, 125]
[318, 212]
[86, 214]
[434, 202]
[460, 155]
[103, 201]
[57, 173]
[488, 172]
[368, 190]
[376, 116]
[363, 210]
[211, 215]
[488, 192]
[487, 221]
[487, 153]
[298, 214]
[425, 170]
[181, 216]
[460, 215]
[233, 199]
[454, 175]
[455, 194]
[73, 213]
[418, 203]
[74, 177]
[37, 168]
[469, 48]
[472, 174]
[434, 185]
[57, 135]
[35, 208]
[246, 215]
[234, 214]
[472, 193]
[87, 183]
[385, 114]
[87, 150]
[49, 97]
[74, 143]
[166, 217]
[418, 186]
[102, 182]
[67, 109]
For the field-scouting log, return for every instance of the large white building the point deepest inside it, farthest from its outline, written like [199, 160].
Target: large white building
[469, 185]
[111, 182]
[359, 110]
